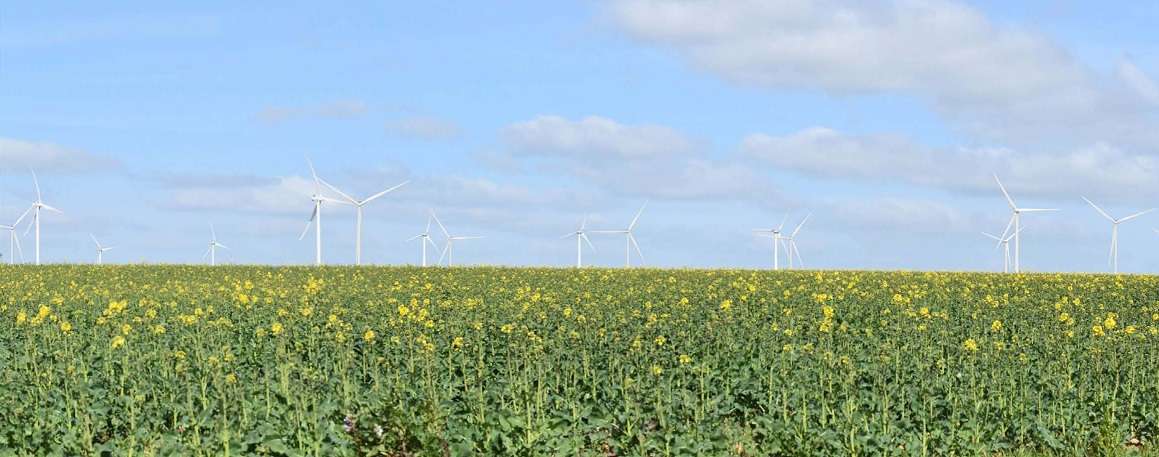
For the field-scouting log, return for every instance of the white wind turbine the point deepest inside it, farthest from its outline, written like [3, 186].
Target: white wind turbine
[1016, 217]
[791, 245]
[14, 239]
[316, 215]
[358, 204]
[425, 238]
[449, 248]
[1114, 256]
[213, 245]
[581, 236]
[101, 250]
[1004, 243]
[36, 207]
[775, 234]
[630, 241]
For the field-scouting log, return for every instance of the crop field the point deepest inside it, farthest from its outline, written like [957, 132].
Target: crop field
[136, 360]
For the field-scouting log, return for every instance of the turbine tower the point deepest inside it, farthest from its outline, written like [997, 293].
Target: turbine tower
[630, 241]
[581, 236]
[775, 234]
[213, 245]
[1114, 256]
[1016, 217]
[316, 216]
[36, 207]
[101, 250]
[426, 238]
[449, 248]
[358, 204]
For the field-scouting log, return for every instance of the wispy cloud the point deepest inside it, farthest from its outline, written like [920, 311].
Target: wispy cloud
[20, 155]
[339, 109]
[423, 128]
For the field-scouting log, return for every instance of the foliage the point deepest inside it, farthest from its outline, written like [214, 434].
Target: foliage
[181, 360]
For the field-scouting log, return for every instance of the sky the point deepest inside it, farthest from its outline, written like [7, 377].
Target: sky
[516, 120]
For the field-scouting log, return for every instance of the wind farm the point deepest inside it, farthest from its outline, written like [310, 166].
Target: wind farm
[579, 228]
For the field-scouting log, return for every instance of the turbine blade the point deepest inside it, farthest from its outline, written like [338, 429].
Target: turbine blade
[609, 231]
[637, 246]
[1004, 193]
[802, 224]
[1100, 210]
[313, 214]
[94, 238]
[306, 230]
[42, 205]
[314, 174]
[339, 192]
[206, 255]
[800, 261]
[433, 244]
[637, 218]
[1009, 224]
[415, 237]
[441, 226]
[783, 221]
[589, 242]
[444, 253]
[1036, 210]
[223, 246]
[375, 196]
[584, 224]
[18, 248]
[569, 235]
[22, 216]
[213, 232]
[35, 182]
[992, 236]
[1125, 219]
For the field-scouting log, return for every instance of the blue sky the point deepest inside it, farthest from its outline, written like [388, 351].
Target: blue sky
[514, 119]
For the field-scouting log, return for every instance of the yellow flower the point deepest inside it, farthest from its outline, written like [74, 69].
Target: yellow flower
[457, 343]
[1097, 330]
[924, 312]
[159, 329]
[126, 328]
[660, 340]
[656, 370]
[179, 355]
[21, 317]
[1064, 318]
[685, 359]
[65, 326]
[117, 342]
[507, 328]
[230, 378]
[277, 328]
[368, 336]
[1110, 321]
[725, 305]
[996, 325]
[1130, 330]
[970, 345]
[827, 311]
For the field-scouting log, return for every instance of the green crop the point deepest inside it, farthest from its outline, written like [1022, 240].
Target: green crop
[139, 360]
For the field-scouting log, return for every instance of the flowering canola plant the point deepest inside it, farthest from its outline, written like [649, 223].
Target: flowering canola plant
[182, 360]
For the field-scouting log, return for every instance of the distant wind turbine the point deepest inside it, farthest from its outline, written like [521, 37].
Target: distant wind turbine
[630, 241]
[101, 250]
[791, 243]
[581, 236]
[449, 248]
[316, 215]
[37, 206]
[1016, 216]
[425, 238]
[1004, 243]
[1114, 255]
[358, 204]
[14, 239]
[213, 245]
[775, 234]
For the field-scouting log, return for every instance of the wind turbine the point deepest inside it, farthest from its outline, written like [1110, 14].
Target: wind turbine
[358, 204]
[100, 250]
[791, 247]
[630, 241]
[1114, 257]
[213, 245]
[36, 207]
[449, 248]
[1004, 242]
[581, 236]
[1016, 216]
[14, 239]
[775, 234]
[316, 215]
[426, 238]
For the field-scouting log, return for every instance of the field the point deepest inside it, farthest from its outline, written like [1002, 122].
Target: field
[486, 361]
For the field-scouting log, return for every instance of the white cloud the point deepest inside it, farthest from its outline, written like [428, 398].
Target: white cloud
[20, 155]
[1099, 169]
[424, 128]
[337, 109]
[1138, 81]
[594, 137]
[1001, 81]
